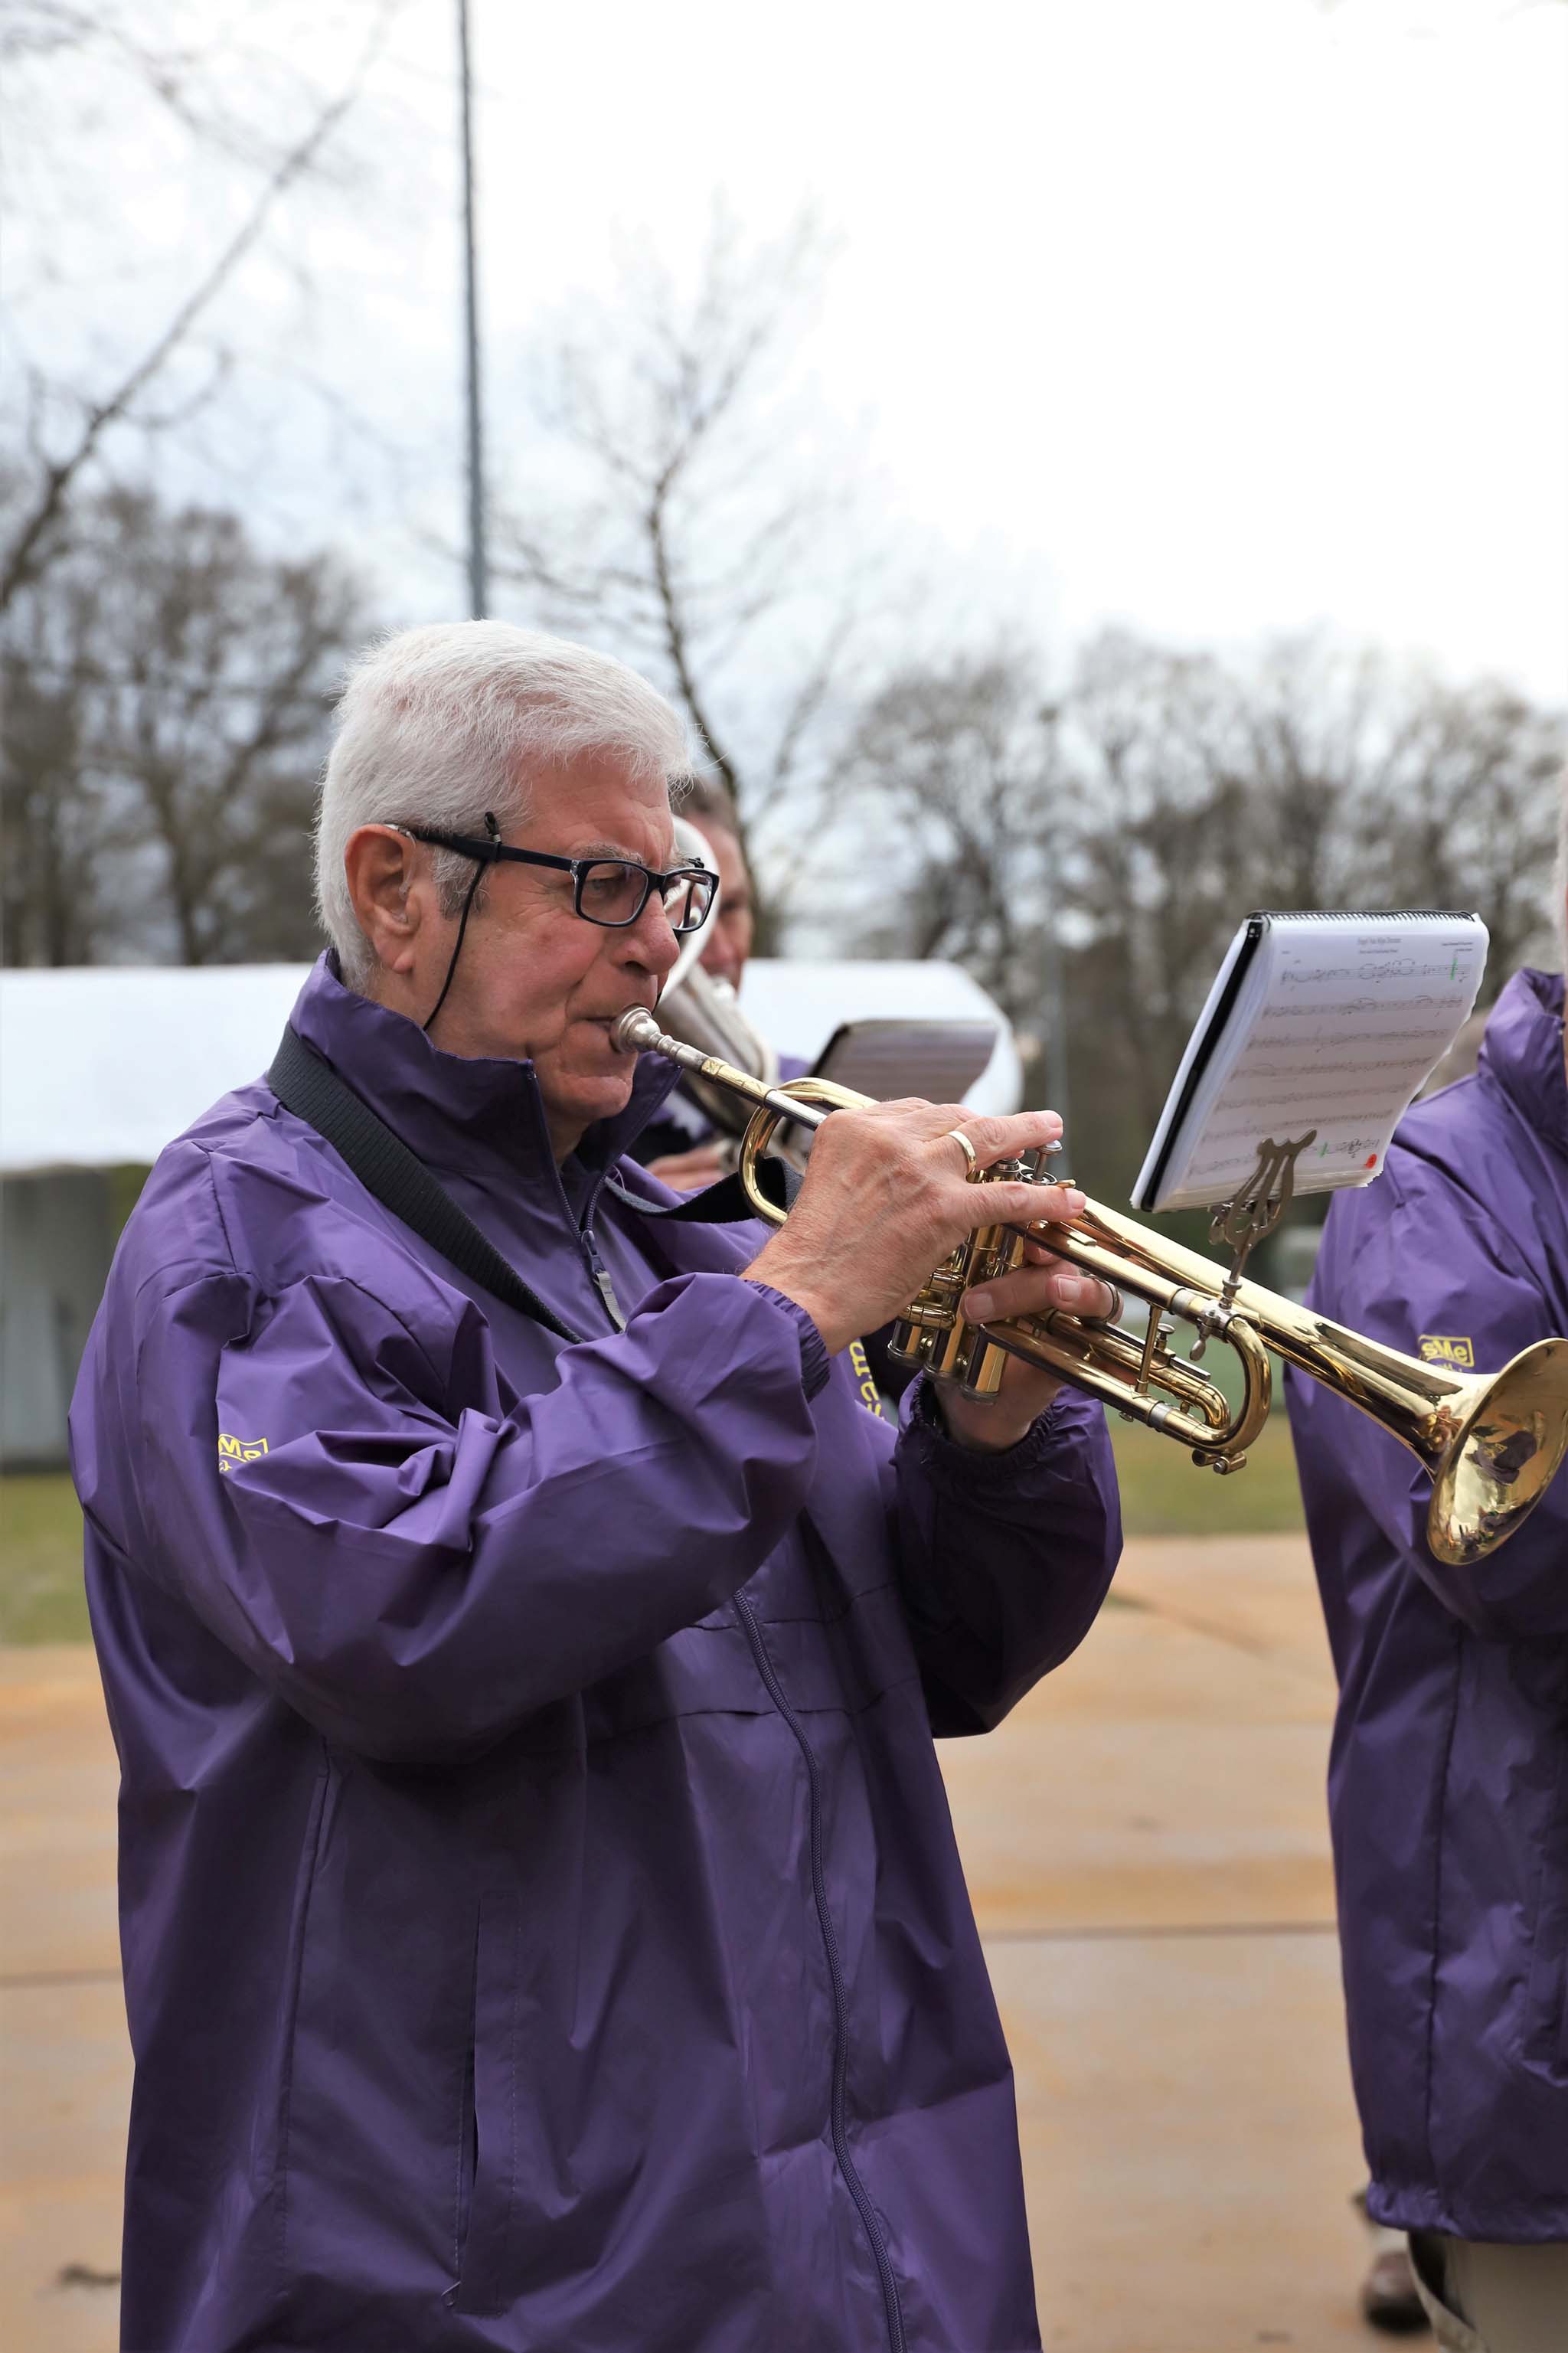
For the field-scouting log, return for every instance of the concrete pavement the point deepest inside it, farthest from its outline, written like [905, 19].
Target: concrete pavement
[65, 2067]
[1146, 1846]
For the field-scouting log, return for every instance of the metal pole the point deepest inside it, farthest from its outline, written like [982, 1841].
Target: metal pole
[1057, 1088]
[479, 570]
[1056, 1040]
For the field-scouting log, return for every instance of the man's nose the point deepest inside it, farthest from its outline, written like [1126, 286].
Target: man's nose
[650, 942]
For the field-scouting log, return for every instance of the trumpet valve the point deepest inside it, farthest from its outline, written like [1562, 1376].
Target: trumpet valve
[1156, 1332]
[931, 1314]
[1034, 1167]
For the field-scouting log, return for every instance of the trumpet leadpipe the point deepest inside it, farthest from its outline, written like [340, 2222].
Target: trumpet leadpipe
[637, 1032]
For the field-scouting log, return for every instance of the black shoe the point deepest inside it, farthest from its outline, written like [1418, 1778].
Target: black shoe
[1388, 2297]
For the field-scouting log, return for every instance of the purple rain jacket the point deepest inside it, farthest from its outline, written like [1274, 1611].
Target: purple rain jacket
[1448, 1777]
[541, 1917]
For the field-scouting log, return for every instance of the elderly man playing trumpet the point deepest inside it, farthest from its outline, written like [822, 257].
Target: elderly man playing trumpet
[542, 1926]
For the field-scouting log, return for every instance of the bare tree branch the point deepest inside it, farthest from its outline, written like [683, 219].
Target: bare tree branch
[58, 474]
[168, 684]
[670, 539]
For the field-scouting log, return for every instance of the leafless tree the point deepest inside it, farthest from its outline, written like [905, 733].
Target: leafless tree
[681, 515]
[1161, 848]
[1465, 814]
[958, 761]
[67, 426]
[1161, 796]
[1314, 775]
[169, 688]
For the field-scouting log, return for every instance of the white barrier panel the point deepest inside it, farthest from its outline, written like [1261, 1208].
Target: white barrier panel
[104, 1065]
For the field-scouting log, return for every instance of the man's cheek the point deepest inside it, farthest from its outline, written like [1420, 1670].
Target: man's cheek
[545, 1024]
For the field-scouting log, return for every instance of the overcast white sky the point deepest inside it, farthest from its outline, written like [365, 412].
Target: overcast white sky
[1218, 317]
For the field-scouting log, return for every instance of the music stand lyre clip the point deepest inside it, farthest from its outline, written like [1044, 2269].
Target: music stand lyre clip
[1255, 1207]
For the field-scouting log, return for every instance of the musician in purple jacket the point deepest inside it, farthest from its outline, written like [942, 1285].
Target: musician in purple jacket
[542, 1924]
[1448, 1779]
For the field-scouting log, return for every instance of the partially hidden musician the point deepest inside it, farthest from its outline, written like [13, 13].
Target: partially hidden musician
[692, 1139]
[1448, 1784]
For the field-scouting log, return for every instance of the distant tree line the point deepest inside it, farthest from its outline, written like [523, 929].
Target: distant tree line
[1155, 799]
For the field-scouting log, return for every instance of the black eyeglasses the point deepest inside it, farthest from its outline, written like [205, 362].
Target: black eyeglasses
[612, 891]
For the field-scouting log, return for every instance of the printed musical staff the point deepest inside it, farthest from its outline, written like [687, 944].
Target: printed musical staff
[1324, 1021]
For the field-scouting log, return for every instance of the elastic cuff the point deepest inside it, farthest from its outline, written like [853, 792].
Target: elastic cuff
[949, 1458]
[815, 1364]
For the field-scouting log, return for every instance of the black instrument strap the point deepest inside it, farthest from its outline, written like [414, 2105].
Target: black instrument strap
[309, 1088]
[723, 1204]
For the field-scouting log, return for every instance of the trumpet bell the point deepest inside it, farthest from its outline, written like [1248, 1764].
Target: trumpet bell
[1502, 1456]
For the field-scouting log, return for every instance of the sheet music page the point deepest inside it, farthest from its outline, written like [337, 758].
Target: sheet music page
[1336, 1022]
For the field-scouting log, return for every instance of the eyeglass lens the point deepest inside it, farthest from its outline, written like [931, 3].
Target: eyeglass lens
[687, 901]
[609, 892]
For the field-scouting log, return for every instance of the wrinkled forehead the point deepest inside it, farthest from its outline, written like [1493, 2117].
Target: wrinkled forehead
[601, 803]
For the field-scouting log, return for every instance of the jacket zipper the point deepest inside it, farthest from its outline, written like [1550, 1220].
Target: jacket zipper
[602, 1284]
[897, 2340]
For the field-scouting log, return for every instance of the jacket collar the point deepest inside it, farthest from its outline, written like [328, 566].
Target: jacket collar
[1523, 1049]
[461, 1114]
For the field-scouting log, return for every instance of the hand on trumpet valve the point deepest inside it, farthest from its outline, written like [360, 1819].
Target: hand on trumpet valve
[1042, 1283]
[887, 1196]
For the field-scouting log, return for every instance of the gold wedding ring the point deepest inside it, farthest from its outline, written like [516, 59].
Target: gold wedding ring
[970, 1154]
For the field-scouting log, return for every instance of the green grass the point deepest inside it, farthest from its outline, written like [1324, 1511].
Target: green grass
[41, 1596]
[1165, 1494]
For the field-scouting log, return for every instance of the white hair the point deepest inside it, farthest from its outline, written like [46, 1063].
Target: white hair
[437, 725]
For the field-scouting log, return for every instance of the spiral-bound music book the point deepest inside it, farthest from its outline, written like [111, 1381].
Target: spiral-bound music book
[1327, 1022]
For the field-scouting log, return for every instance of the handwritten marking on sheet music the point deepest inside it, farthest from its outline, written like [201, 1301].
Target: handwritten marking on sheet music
[1354, 1147]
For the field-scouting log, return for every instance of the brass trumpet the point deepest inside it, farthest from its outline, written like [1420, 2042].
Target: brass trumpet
[1491, 1442]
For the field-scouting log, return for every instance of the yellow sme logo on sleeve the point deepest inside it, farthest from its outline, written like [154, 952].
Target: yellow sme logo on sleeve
[231, 1451]
[861, 1365]
[1437, 1349]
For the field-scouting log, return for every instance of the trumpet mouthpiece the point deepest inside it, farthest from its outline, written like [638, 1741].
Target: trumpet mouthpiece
[636, 1031]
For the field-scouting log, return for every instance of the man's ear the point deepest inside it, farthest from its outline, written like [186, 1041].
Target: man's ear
[384, 869]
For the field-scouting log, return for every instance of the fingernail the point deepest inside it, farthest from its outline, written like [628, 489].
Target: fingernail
[1071, 1290]
[1076, 1203]
[979, 1306]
